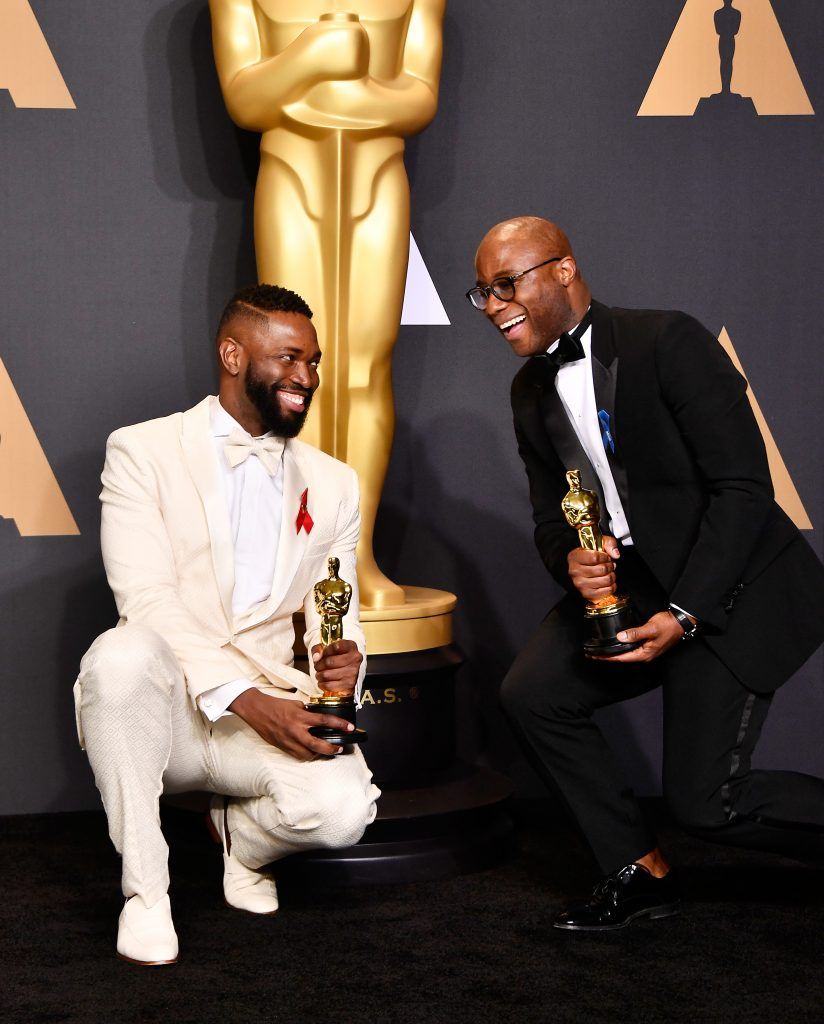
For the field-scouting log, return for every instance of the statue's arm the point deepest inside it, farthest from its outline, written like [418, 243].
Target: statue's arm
[419, 80]
[402, 105]
[255, 87]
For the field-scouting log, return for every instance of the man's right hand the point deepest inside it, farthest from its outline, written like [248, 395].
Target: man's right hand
[286, 723]
[593, 572]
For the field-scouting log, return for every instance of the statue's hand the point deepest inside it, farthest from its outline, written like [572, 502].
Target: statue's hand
[337, 666]
[338, 50]
[593, 572]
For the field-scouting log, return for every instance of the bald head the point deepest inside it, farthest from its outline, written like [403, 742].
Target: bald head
[550, 296]
[535, 229]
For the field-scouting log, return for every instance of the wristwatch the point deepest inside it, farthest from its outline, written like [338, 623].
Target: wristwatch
[685, 622]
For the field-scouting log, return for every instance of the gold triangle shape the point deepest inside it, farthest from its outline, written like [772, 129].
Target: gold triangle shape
[27, 68]
[785, 490]
[29, 492]
[690, 69]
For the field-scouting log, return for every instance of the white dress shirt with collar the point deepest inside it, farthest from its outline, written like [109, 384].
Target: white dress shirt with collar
[255, 503]
[577, 393]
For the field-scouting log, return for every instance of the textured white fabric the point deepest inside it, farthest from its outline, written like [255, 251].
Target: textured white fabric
[143, 736]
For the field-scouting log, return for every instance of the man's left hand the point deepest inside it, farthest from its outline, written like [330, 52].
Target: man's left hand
[337, 666]
[659, 634]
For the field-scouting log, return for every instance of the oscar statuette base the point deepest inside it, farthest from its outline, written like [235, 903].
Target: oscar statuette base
[338, 738]
[603, 625]
[340, 707]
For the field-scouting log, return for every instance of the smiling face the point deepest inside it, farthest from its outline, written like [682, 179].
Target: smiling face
[269, 371]
[547, 301]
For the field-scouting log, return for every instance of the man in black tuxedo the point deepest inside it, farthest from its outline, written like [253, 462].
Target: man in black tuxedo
[651, 410]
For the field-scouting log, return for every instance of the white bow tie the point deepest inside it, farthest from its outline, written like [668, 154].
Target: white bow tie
[239, 446]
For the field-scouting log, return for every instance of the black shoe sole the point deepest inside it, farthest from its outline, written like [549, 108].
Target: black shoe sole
[651, 913]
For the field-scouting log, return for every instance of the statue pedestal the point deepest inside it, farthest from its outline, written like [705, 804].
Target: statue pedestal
[422, 623]
[722, 105]
[437, 816]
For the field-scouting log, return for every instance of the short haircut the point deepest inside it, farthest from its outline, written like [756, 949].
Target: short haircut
[258, 300]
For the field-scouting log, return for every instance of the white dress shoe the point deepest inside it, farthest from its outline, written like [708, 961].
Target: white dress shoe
[243, 888]
[146, 935]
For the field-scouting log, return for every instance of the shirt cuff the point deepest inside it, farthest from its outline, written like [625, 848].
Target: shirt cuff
[684, 610]
[213, 703]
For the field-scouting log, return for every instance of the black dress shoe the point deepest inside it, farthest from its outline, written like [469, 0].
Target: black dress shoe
[620, 898]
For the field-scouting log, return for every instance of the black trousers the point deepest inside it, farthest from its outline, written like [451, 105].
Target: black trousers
[711, 726]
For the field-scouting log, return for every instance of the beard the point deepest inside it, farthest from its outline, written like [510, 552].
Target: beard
[264, 397]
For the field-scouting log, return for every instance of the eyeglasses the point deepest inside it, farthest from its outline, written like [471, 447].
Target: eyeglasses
[502, 288]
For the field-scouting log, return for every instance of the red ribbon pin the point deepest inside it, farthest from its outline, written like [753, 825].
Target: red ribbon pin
[304, 520]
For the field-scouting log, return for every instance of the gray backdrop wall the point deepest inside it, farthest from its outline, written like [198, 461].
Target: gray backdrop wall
[127, 222]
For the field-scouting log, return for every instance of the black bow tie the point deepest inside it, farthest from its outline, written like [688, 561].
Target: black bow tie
[569, 348]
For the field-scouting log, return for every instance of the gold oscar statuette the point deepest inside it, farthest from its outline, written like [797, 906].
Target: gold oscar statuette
[332, 597]
[608, 615]
[335, 87]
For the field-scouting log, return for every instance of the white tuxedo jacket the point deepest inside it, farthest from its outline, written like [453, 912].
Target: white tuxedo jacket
[168, 553]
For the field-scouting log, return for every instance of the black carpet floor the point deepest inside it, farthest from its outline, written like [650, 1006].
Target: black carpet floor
[748, 949]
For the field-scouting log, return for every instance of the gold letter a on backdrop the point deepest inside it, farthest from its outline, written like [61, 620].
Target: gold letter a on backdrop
[744, 38]
[29, 492]
[27, 68]
[785, 491]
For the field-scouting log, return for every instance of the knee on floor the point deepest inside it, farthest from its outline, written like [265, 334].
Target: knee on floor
[333, 818]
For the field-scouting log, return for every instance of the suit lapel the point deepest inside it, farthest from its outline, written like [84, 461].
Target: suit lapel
[605, 384]
[201, 461]
[291, 545]
[604, 361]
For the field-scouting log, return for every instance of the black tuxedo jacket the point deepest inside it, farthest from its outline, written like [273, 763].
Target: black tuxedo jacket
[691, 470]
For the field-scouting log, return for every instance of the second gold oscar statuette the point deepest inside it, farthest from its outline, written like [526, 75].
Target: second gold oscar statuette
[609, 615]
[332, 597]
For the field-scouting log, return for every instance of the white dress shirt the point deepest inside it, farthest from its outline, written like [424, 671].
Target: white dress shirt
[255, 503]
[577, 393]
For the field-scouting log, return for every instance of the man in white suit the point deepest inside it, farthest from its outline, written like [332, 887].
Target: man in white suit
[216, 525]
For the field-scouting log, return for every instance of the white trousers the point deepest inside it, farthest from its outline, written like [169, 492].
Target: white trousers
[144, 737]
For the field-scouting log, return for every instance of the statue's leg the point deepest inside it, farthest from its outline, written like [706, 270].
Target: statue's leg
[344, 248]
[726, 50]
[378, 261]
[288, 249]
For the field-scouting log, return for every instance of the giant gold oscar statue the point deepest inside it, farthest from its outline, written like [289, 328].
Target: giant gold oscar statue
[334, 88]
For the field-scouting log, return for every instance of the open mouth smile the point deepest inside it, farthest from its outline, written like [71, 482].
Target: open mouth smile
[510, 326]
[292, 399]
